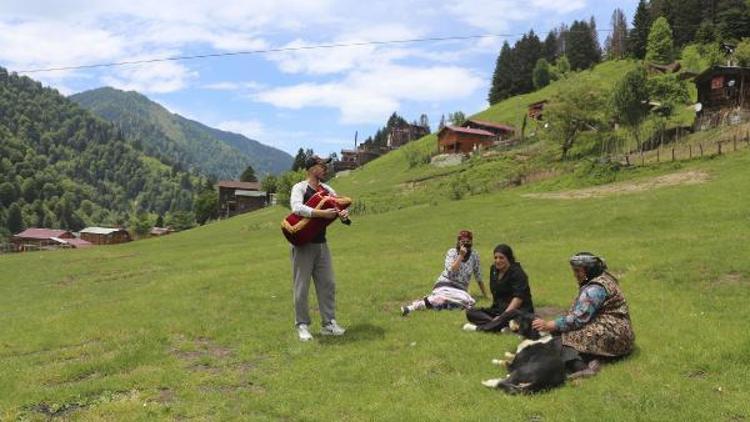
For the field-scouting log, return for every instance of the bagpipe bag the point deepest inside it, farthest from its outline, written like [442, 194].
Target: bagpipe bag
[301, 230]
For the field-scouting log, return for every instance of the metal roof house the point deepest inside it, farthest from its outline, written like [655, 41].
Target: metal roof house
[105, 235]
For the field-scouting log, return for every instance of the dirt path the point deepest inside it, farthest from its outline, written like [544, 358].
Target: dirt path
[682, 178]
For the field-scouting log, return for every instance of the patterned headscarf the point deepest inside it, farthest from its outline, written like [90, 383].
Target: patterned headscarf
[593, 264]
[465, 234]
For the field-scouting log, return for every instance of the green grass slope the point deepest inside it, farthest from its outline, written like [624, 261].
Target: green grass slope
[404, 180]
[200, 324]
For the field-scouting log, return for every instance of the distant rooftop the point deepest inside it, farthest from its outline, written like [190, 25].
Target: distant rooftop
[235, 184]
[100, 230]
[35, 233]
[467, 130]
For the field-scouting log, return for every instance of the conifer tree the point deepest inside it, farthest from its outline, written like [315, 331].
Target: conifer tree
[501, 81]
[639, 34]
[660, 47]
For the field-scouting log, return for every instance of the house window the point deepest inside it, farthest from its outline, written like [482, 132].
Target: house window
[717, 82]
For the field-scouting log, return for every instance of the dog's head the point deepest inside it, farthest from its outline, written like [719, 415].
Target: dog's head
[520, 323]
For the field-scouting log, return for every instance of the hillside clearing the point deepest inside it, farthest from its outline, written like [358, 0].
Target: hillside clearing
[673, 179]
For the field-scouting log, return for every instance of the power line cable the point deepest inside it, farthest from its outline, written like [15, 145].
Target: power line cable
[275, 50]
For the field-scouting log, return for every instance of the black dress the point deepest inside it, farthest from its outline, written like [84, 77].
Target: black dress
[514, 283]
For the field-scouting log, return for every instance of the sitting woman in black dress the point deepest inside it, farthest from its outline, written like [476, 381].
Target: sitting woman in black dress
[510, 290]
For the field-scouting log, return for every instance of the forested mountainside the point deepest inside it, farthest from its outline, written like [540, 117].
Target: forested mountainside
[62, 167]
[176, 139]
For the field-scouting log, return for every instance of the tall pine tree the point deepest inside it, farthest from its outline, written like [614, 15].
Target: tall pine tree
[550, 47]
[299, 160]
[583, 50]
[732, 20]
[638, 37]
[686, 20]
[660, 48]
[618, 37]
[501, 78]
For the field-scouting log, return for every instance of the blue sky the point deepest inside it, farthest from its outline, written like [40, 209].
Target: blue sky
[310, 99]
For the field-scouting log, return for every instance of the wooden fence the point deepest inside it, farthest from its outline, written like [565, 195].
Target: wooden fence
[678, 151]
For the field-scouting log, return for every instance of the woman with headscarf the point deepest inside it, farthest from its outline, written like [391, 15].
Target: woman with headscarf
[597, 327]
[510, 289]
[451, 290]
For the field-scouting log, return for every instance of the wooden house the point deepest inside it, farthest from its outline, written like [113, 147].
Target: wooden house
[105, 235]
[160, 231]
[536, 110]
[723, 96]
[348, 160]
[38, 238]
[500, 131]
[240, 197]
[402, 134]
[463, 140]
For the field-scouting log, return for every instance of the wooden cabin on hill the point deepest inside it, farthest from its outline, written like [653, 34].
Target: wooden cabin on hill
[240, 197]
[502, 132]
[105, 235]
[39, 238]
[403, 133]
[723, 96]
[348, 160]
[536, 110]
[463, 140]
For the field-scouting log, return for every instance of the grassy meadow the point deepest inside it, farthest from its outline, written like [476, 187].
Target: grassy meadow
[199, 324]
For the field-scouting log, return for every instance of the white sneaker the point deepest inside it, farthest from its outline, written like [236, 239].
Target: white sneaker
[332, 329]
[469, 327]
[304, 332]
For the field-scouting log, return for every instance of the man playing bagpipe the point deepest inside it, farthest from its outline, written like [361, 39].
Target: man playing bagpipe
[312, 258]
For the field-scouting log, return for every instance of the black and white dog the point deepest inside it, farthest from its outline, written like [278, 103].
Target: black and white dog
[537, 364]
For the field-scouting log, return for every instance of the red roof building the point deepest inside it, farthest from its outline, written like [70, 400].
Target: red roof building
[455, 140]
[36, 238]
[498, 129]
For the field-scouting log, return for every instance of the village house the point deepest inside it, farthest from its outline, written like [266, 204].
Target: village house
[403, 133]
[37, 238]
[160, 231]
[463, 140]
[105, 235]
[348, 160]
[723, 96]
[501, 131]
[240, 197]
[536, 110]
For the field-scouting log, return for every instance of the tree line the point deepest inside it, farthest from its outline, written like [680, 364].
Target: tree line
[61, 167]
[695, 29]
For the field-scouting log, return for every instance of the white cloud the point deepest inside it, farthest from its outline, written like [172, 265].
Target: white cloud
[336, 60]
[370, 95]
[155, 78]
[498, 15]
[28, 45]
[284, 139]
[234, 86]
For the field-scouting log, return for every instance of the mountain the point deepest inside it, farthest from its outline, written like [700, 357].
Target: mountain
[176, 139]
[62, 167]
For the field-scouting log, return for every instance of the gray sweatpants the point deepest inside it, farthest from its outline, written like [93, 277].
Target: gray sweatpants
[313, 260]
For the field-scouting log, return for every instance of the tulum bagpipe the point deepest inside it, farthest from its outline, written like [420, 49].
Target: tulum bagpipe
[301, 230]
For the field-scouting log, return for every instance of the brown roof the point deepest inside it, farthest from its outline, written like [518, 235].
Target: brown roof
[721, 70]
[42, 234]
[490, 124]
[538, 103]
[79, 243]
[233, 184]
[467, 130]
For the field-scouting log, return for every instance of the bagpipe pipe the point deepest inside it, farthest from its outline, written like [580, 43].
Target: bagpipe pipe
[301, 230]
